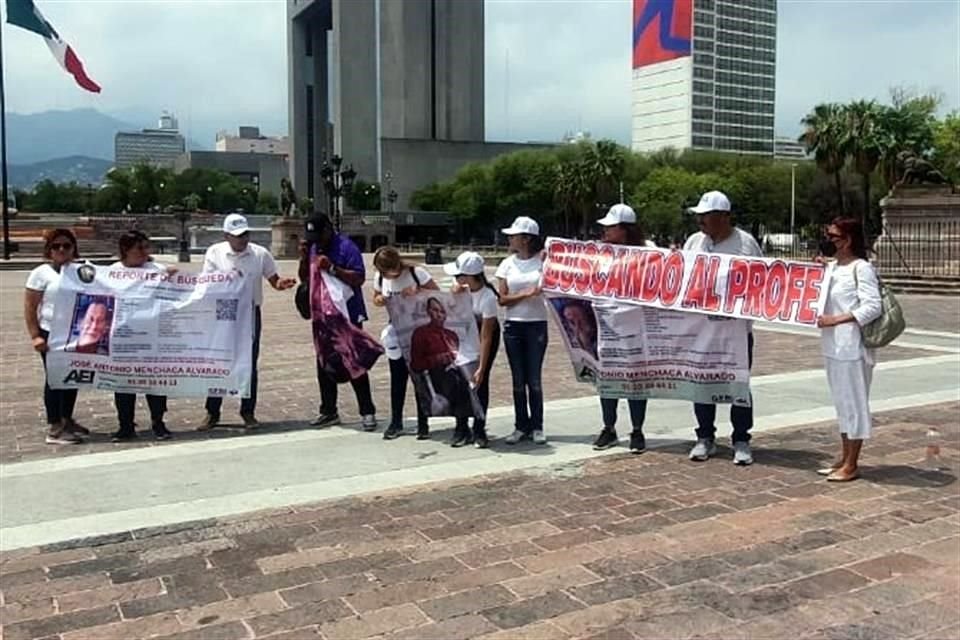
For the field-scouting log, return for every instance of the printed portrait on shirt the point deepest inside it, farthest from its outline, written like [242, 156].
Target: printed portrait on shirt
[91, 324]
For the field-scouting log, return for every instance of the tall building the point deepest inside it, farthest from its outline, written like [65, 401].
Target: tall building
[789, 149]
[159, 147]
[704, 75]
[249, 140]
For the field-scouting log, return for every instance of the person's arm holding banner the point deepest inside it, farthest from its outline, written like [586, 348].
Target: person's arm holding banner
[508, 299]
[31, 302]
[486, 349]
[352, 274]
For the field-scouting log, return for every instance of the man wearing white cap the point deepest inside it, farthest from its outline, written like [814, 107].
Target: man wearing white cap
[524, 327]
[236, 252]
[718, 235]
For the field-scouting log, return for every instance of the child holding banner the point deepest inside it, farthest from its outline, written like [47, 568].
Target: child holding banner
[396, 277]
[468, 270]
[620, 227]
[524, 327]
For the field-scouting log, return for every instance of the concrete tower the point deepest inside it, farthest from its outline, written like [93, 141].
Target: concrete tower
[365, 74]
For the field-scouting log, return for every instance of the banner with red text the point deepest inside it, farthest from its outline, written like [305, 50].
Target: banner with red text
[147, 330]
[765, 289]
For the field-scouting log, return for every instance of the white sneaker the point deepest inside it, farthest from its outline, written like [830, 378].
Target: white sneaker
[515, 437]
[369, 422]
[539, 438]
[742, 454]
[703, 450]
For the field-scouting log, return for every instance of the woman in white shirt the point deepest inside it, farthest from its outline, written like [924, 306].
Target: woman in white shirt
[134, 249]
[60, 249]
[853, 301]
[396, 277]
[524, 327]
[468, 270]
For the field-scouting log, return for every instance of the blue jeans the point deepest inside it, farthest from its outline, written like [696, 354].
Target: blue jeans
[526, 344]
[740, 417]
[247, 405]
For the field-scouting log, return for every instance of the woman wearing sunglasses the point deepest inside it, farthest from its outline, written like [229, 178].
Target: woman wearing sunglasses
[853, 300]
[60, 249]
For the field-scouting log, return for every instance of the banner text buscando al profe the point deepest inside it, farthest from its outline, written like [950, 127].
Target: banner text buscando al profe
[766, 289]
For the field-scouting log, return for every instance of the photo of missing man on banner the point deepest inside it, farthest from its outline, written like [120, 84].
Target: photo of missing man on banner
[580, 333]
[90, 327]
[438, 335]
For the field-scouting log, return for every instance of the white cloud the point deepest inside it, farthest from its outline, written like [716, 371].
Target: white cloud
[223, 63]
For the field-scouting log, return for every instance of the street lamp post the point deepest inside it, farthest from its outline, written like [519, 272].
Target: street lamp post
[337, 182]
[184, 254]
[793, 204]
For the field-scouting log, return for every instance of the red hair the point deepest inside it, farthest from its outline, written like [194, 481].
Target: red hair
[852, 228]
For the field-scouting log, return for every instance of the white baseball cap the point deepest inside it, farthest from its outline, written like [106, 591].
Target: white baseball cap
[235, 224]
[712, 201]
[618, 214]
[468, 263]
[523, 224]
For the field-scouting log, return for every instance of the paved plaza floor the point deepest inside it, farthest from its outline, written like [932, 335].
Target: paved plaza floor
[293, 532]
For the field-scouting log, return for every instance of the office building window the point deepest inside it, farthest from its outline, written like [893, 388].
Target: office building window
[760, 55]
[702, 100]
[703, 114]
[745, 66]
[703, 58]
[705, 142]
[702, 87]
[763, 82]
[703, 73]
[703, 127]
[703, 32]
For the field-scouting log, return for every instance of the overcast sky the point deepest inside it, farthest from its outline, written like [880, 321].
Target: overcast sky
[221, 64]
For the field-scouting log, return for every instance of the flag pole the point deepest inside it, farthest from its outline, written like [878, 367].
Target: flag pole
[3, 157]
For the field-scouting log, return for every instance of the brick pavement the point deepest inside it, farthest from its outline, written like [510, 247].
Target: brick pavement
[288, 388]
[620, 547]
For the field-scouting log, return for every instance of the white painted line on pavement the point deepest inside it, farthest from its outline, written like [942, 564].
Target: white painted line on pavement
[203, 447]
[935, 334]
[906, 344]
[484, 463]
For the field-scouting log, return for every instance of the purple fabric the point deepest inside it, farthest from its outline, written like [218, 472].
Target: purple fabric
[343, 253]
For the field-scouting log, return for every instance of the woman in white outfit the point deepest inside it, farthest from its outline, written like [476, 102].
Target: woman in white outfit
[853, 301]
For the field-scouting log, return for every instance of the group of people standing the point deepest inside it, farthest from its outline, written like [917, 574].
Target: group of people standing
[853, 301]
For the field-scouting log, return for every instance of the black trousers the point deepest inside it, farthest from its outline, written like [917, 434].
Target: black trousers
[399, 376]
[247, 405]
[126, 404]
[58, 403]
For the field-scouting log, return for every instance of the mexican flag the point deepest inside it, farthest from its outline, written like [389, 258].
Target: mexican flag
[24, 14]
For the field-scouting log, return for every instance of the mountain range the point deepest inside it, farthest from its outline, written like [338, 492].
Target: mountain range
[75, 144]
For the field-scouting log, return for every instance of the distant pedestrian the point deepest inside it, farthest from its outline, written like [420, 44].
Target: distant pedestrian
[620, 227]
[524, 327]
[718, 235]
[236, 252]
[340, 257]
[396, 277]
[134, 250]
[853, 301]
[468, 269]
[60, 249]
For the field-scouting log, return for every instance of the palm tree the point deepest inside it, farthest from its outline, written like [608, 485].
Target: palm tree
[823, 137]
[866, 142]
[909, 125]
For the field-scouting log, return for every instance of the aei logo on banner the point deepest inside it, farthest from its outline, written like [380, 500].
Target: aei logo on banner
[661, 30]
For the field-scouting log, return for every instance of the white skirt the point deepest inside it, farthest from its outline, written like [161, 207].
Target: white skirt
[849, 382]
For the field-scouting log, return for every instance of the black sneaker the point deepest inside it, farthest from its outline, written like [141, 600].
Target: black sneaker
[462, 440]
[423, 433]
[481, 442]
[638, 444]
[606, 439]
[160, 431]
[326, 420]
[393, 432]
[124, 435]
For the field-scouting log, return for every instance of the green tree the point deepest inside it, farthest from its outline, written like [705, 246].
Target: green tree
[946, 146]
[909, 123]
[823, 136]
[433, 197]
[364, 196]
[866, 141]
[267, 203]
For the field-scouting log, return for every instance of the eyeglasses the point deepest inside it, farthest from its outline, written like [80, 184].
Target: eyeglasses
[58, 246]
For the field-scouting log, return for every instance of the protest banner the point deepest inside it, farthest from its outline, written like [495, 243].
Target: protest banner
[344, 351]
[438, 335]
[636, 352]
[765, 289]
[149, 331]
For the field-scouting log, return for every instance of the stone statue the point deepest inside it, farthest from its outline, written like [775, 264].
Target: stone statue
[916, 170]
[288, 198]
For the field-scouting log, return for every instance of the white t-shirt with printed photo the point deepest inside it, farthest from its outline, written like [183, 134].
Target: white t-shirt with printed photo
[391, 287]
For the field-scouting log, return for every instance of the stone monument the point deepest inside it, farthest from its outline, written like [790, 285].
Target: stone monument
[921, 222]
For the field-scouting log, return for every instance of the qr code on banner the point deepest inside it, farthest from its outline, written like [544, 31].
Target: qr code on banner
[227, 309]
